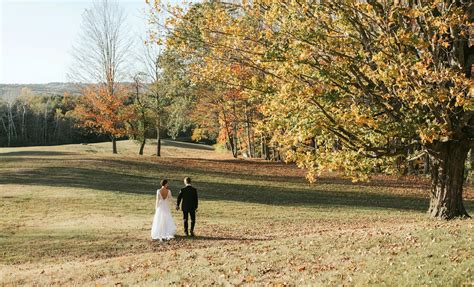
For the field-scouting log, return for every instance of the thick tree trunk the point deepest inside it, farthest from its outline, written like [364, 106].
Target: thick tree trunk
[142, 146]
[426, 164]
[114, 145]
[314, 144]
[447, 177]
[232, 143]
[234, 147]
[230, 137]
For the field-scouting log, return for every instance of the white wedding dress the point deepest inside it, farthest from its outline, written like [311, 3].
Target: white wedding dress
[163, 226]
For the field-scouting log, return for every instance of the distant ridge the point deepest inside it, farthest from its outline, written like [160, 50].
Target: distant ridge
[54, 88]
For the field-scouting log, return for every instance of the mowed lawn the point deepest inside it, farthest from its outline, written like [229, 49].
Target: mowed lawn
[78, 215]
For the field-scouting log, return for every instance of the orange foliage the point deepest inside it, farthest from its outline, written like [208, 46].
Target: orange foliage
[104, 112]
[222, 111]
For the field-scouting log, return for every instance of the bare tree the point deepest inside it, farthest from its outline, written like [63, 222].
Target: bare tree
[102, 49]
[150, 59]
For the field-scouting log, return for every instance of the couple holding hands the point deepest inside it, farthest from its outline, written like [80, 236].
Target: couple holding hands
[163, 227]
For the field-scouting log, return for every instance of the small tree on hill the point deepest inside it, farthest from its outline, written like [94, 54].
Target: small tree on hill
[141, 123]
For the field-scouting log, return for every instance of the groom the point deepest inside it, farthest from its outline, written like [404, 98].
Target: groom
[190, 204]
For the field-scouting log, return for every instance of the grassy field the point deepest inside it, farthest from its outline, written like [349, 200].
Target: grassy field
[77, 215]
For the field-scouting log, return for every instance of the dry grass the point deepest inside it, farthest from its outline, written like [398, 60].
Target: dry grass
[77, 215]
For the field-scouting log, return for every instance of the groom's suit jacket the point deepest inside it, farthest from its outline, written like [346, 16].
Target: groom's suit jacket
[189, 197]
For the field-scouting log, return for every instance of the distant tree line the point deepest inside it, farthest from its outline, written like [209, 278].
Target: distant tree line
[142, 111]
[29, 119]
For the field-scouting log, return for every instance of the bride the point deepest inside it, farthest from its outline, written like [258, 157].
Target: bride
[163, 226]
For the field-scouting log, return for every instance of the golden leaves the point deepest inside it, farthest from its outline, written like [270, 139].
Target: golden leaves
[324, 70]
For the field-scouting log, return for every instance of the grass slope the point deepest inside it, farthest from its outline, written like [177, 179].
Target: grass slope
[77, 215]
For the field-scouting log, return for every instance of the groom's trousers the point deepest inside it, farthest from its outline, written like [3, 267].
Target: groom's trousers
[186, 214]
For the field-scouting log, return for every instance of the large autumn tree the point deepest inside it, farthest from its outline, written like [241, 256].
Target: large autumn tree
[379, 79]
[101, 52]
[354, 85]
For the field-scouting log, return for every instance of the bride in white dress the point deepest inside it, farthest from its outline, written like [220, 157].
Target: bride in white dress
[163, 226]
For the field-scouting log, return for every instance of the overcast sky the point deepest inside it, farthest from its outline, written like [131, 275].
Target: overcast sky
[36, 36]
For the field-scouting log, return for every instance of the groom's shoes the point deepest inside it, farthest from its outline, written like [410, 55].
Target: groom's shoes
[192, 233]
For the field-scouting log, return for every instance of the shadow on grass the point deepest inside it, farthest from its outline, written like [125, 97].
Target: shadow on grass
[261, 192]
[214, 238]
[35, 153]
[229, 168]
[40, 247]
[186, 145]
[245, 169]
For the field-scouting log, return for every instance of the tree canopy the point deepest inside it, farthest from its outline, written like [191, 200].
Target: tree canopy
[344, 85]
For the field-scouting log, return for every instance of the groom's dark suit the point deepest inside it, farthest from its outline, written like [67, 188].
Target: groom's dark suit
[190, 203]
